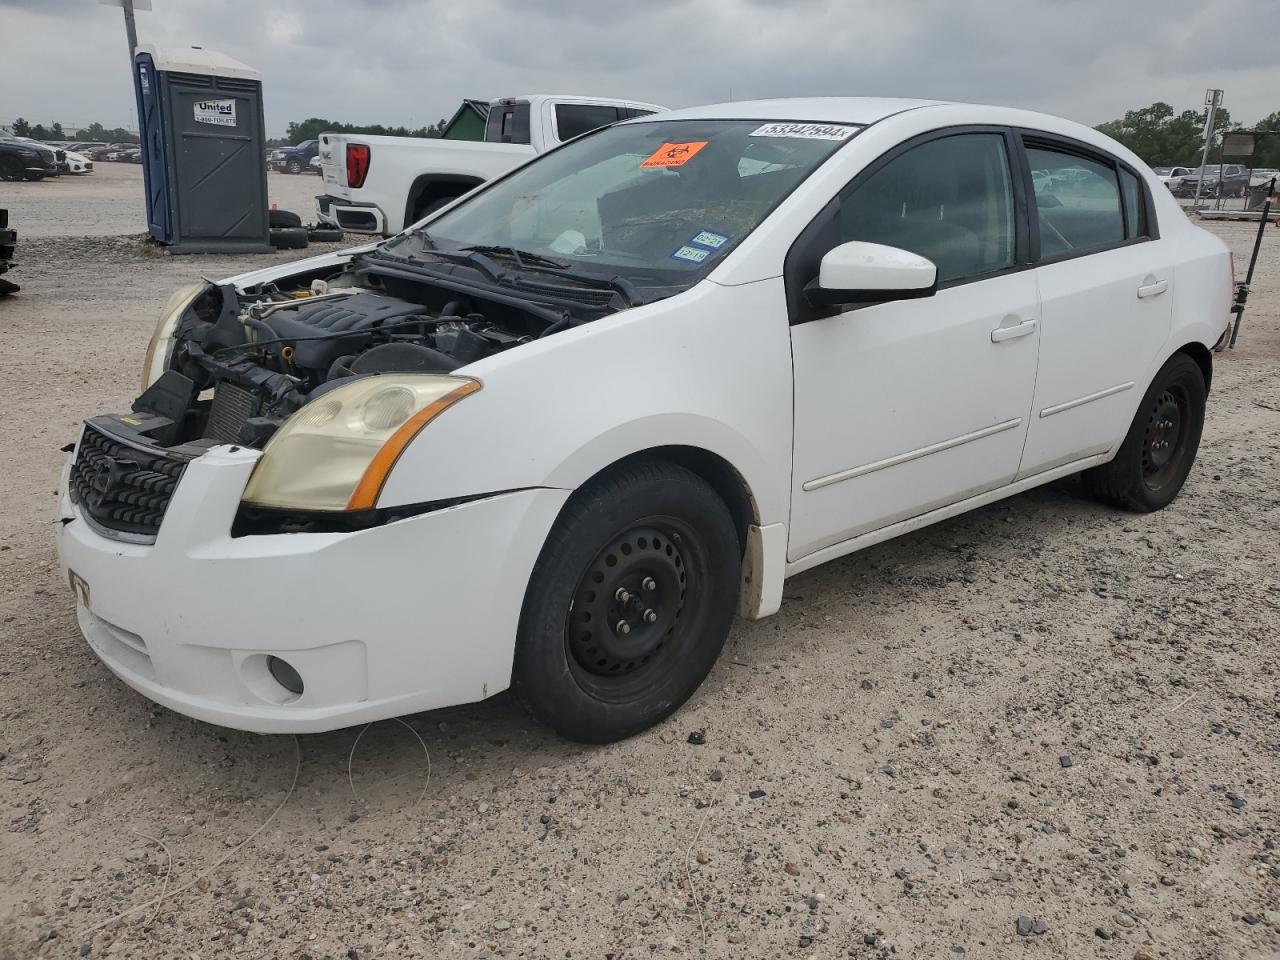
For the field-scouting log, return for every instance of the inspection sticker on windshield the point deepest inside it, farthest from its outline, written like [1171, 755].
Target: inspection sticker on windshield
[692, 254]
[805, 131]
[709, 238]
[673, 154]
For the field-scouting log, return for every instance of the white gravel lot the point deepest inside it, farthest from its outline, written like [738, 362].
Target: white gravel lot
[883, 771]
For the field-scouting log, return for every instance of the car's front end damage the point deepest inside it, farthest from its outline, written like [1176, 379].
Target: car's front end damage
[226, 539]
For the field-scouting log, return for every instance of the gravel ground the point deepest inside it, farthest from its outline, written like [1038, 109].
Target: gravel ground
[110, 201]
[1043, 718]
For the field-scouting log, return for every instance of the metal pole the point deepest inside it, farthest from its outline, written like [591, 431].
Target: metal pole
[1242, 293]
[1204, 156]
[131, 30]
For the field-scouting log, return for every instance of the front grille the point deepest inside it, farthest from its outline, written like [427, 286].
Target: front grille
[232, 406]
[123, 487]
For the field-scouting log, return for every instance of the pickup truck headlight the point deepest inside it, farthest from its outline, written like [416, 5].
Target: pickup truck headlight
[160, 349]
[336, 452]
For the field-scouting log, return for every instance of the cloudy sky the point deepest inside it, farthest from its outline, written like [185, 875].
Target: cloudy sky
[412, 61]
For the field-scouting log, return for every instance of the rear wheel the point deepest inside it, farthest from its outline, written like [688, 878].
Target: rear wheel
[1160, 448]
[629, 604]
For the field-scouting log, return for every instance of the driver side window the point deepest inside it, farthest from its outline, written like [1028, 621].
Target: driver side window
[949, 199]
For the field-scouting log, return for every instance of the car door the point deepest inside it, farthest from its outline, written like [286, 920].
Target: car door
[1106, 294]
[903, 407]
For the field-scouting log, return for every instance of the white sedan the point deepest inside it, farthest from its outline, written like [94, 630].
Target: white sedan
[558, 434]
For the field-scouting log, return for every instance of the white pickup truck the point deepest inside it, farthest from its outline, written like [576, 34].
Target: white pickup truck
[382, 184]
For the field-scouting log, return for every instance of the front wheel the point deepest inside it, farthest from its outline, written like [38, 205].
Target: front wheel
[629, 604]
[293, 166]
[1161, 445]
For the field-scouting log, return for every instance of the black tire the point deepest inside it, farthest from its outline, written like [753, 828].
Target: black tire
[11, 169]
[283, 218]
[1160, 448]
[293, 166]
[289, 238]
[325, 235]
[660, 533]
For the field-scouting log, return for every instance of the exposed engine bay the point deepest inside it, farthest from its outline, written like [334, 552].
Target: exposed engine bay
[243, 362]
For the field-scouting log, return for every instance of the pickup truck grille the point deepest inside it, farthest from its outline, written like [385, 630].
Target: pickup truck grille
[123, 487]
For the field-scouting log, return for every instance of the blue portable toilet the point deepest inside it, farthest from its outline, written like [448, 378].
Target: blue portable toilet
[203, 150]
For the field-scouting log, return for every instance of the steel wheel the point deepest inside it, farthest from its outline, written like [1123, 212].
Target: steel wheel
[621, 632]
[1160, 446]
[629, 603]
[1165, 442]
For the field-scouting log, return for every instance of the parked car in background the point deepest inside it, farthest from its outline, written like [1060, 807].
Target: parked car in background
[1171, 175]
[558, 436]
[313, 166]
[1261, 176]
[1220, 180]
[84, 146]
[76, 163]
[293, 159]
[381, 184]
[25, 159]
[111, 151]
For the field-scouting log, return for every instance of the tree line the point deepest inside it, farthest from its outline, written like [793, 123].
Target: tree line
[312, 127]
[1164, 138]
[298, 131]
[94, 131]
[1156, 133]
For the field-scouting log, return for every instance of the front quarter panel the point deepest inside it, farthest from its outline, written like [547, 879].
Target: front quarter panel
[710, 368]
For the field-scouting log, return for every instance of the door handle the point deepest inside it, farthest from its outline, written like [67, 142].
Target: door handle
[1152, 289]
[1001, 334]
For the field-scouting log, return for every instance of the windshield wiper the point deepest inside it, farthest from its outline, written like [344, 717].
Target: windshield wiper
[526, 258]
[521, 257]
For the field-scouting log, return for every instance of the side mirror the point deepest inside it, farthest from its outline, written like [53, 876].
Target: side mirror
[858, 272]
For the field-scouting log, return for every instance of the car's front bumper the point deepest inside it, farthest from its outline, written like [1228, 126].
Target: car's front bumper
[413, 615]
[350, 216]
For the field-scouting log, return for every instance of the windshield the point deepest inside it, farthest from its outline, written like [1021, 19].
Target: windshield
[653, 202]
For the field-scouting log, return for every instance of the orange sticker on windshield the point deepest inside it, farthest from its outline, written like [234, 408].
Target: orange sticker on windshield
[673, 154]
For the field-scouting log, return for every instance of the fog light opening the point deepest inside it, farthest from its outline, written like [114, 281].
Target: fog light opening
[284, 674]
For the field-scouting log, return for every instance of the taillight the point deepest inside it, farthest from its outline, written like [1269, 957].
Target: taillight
[357, 164]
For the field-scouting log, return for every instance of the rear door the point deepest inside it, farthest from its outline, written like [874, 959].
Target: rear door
[1106, 293]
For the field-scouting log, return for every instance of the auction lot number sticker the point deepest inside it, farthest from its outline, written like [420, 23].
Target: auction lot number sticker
[806, 131]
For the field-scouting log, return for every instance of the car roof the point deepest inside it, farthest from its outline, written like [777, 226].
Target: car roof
[859, 110]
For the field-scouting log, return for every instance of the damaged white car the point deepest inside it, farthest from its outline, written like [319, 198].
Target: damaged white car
[559, 434]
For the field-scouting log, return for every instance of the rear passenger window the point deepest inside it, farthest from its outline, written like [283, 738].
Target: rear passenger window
[948, 199]
[1078, 202]
[1135, 214]
[575, 119]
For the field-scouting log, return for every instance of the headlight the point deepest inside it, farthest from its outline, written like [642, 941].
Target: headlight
[160, 349]
[336, 452]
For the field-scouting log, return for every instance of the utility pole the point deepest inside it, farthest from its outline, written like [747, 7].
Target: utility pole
[130, 29]
[1212, 100]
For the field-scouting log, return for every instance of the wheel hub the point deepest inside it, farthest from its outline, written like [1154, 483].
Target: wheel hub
[628, 602]
[1164, 427]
